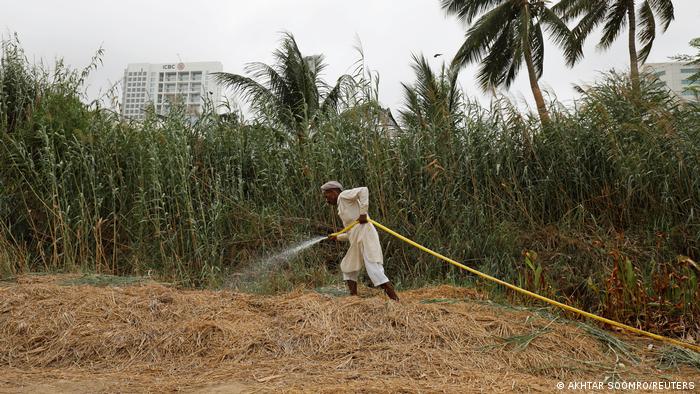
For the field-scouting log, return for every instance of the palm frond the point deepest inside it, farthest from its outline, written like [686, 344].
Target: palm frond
[517, 61]
[571, 9]
[250, 90]
[480, 37]
[562, 36]
[413, 113]
[591, 19]
[496, 64]
[454, 92]
[537, 45]
[615, 22]
[332, 99]
[665, 11]
[269, 78]
[467, 10]
[433, 98]
[647, 31]
[426, 82]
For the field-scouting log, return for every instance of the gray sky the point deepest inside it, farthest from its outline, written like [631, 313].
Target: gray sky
[238, 32]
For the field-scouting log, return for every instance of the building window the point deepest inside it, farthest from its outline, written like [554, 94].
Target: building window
[689, 70]
[686, 82]
[659, 73]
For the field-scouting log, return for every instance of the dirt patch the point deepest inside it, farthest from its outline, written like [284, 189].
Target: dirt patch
[157, 338]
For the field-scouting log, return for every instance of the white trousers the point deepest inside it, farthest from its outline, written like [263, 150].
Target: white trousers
[375, 271]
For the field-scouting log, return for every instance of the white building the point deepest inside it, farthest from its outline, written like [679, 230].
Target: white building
[163, 85]
[675, 76]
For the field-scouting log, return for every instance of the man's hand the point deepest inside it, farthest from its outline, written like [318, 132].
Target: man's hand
[330, 240]
[362, 219]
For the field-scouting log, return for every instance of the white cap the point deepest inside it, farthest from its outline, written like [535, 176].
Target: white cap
[332, 185]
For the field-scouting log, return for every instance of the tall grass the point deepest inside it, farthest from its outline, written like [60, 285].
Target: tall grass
[594, 209]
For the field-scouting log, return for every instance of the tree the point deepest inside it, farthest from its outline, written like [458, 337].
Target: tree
[290, 93]
[616, 14]
[432, 99]
[507, 33]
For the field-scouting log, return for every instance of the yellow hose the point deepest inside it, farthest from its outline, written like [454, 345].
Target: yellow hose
[526, 292]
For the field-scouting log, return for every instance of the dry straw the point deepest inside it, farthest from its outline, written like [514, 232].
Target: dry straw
[152, 337]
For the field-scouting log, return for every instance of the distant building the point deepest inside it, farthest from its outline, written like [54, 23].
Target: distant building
[675, 76]
[165, 84]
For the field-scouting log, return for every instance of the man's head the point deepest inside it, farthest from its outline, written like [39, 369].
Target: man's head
[331, 190]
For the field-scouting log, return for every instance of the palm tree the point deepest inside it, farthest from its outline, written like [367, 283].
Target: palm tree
[432, 99]
[616, 14]
[290, 93]
[507, 33]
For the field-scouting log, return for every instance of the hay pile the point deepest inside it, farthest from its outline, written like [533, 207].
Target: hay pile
[151, 337]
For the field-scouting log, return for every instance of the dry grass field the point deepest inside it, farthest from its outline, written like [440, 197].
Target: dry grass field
[58, 335]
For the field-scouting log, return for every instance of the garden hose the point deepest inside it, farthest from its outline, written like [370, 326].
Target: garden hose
[526, 292]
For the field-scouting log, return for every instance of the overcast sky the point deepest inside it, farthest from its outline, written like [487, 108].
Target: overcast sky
[238, 32]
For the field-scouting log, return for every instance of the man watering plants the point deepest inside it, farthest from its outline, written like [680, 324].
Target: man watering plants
[364, 240]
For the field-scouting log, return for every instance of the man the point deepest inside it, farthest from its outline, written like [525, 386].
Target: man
[364, 240]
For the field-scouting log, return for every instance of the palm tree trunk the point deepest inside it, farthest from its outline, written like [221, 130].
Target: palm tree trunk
[535, 86]
[634, 63]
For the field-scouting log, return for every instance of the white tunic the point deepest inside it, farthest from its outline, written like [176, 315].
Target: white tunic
[364, 240]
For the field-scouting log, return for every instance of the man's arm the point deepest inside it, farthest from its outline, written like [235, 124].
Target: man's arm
[363, 199]
[339, 237]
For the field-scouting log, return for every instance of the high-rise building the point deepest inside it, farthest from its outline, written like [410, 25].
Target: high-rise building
[675, 76]
[167, 84]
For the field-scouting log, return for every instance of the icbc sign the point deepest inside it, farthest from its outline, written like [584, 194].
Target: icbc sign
[179, 66]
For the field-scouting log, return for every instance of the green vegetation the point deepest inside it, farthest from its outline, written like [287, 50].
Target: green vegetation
[672, 357]
[290, 94]
[598, 207]
[611, 342]
[521, 342]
